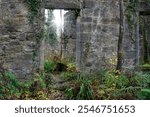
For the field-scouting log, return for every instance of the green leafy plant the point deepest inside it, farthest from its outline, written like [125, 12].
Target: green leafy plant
[144, 94]
[141, 79]
[70, 93]
[114, 80]
[69, 75]
[81, 89]
[9, 86]
[12, 88]
[115, 85]
[86, 91]
[145, 67]
[71, 67]
[49, 66]
[25, 90]
[38, 87]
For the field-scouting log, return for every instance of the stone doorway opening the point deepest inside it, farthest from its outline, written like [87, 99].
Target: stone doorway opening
[145, 38]
[60, 33]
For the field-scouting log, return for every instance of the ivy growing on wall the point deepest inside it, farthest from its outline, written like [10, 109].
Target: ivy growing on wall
[132, 7]
[77, 13]
[33, 7]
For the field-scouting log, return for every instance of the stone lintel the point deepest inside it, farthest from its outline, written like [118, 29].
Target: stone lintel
[62, 4]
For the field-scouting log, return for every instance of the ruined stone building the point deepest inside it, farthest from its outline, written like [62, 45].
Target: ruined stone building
[91, 25]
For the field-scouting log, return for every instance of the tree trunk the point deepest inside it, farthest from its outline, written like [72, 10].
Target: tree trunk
[120, 40]
[61, 36]
[137, 37]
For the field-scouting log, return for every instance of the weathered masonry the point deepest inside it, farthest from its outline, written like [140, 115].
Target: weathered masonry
[19, 38]
[97, 31]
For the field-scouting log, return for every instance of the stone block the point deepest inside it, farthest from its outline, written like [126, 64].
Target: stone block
[86, 19]
[130, 54]
[86, 27]
[89, 4]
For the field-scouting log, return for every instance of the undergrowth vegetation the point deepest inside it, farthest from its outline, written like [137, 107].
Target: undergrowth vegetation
[80, 88]
[103, 84]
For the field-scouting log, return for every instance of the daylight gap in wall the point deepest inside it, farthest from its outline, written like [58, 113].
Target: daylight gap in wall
[53, 31]
[54, 23]
[144, 38]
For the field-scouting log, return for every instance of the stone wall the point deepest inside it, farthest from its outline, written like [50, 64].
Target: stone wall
[19, 44]
[96, 39]
[69, 35]
[99, 33]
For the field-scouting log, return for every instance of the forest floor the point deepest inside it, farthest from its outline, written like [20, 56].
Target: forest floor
[61, 81]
